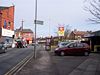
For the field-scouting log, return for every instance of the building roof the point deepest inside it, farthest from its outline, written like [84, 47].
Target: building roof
[3, 7]
[82, 33]
[94, 34]
[27, 30]
[24, 30]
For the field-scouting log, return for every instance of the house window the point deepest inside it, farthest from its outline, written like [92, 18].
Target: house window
[5, 24]
[9, 24]
[79, 36]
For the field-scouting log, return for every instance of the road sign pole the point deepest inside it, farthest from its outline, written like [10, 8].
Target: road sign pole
[35, 28]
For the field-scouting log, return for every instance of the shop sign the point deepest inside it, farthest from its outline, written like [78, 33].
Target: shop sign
[8, 33]
[61, 31]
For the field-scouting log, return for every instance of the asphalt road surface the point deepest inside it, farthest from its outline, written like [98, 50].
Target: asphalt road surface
[12, 57]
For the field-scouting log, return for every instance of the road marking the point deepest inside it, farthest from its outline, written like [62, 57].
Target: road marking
[19, 66]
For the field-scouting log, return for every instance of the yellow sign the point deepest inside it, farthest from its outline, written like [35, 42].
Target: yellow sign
[61, 31]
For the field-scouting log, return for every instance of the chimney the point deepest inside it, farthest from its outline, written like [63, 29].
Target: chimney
[75, 30]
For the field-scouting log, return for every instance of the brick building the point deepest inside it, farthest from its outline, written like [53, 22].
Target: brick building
[24, 34]
[6, 23]
[78, 35]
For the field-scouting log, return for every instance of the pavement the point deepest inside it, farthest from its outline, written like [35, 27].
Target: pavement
[90, 66]
[42, 65]
[39, 66]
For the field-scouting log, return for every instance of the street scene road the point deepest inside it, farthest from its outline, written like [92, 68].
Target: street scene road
[12, 57]
[48, 64]
[49, 37]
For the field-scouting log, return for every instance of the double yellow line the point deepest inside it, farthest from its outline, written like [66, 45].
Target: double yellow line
[19, 66]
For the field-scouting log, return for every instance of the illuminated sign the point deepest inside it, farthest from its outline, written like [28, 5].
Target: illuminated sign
[61, 31]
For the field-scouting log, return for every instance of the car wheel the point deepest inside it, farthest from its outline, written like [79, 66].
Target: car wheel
[4, 51]
[62, 53]
[86, 53]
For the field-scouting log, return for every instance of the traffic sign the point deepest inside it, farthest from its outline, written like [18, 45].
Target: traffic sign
[38, 22]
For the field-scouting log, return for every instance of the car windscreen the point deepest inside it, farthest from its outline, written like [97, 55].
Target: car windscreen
[63, 44]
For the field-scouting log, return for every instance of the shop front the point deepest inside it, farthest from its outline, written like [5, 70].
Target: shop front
[6, 35]
[95, 41]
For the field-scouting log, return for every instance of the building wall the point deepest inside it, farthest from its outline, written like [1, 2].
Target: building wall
[7, 18]
[28, 36]
[6, 23]
[76, 36]
[72, 36]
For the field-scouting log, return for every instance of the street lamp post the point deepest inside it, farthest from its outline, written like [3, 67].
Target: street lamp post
[22, 29]
[35, 28]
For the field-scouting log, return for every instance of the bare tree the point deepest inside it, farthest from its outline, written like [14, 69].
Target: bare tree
[94, 9]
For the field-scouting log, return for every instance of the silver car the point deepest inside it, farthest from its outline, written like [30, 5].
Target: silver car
[2, 48]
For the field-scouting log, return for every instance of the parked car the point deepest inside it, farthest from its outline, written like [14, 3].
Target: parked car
[2, 48]
[62, 44]
[4, 44]
[73, 48]
[8, 44]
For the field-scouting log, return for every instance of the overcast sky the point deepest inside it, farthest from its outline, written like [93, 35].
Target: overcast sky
[54, 13]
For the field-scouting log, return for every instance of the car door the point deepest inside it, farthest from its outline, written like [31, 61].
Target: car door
[72, 48]
[80, 48]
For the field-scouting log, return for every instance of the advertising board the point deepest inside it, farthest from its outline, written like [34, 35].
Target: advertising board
[8, 33]
[61, 31]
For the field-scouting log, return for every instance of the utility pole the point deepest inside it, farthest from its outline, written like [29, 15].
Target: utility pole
[35, 28]
[49, 31]
[22, 28]
[36, 22]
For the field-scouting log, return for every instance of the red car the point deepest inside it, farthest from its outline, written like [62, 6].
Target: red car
[73, 48]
